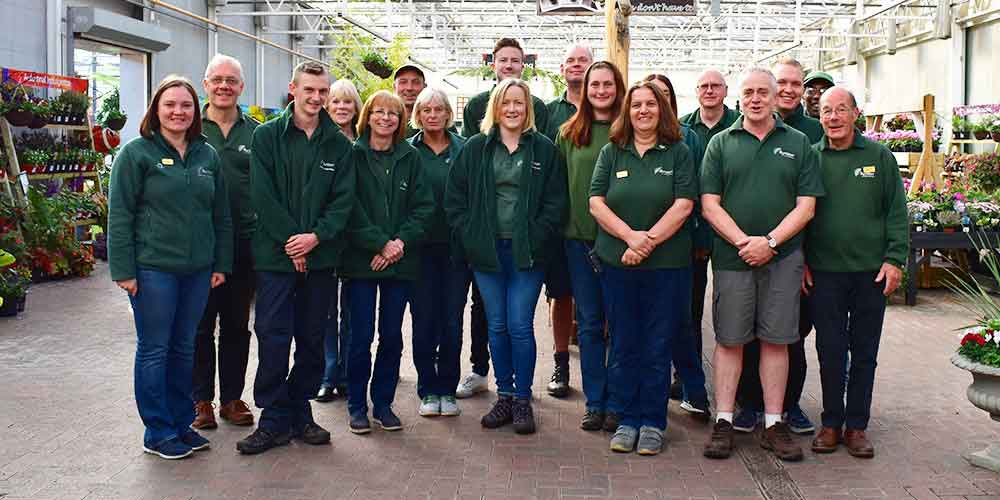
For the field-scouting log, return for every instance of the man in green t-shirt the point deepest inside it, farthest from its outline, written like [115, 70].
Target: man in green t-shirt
[856, 247]
[759, 183]
[790, 76]
[228, 131]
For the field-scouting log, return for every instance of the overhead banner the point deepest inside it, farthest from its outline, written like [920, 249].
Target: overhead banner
[665, 7]
[566, 7]
[45, 80]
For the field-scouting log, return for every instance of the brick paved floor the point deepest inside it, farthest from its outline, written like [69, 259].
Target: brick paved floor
[69, 430]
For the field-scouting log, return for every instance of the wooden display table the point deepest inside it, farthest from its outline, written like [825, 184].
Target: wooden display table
[934, 240]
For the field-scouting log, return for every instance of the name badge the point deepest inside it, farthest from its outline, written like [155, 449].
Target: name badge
[167, 161]
[621, 174]
[870, 169]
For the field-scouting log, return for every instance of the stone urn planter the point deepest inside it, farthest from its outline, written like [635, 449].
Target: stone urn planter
[984, 393]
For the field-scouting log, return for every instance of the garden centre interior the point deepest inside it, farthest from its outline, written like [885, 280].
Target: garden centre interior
[77, 77]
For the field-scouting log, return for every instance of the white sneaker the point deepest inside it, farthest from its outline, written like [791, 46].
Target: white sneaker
[430, 406]
[449, 407]
[471, 385]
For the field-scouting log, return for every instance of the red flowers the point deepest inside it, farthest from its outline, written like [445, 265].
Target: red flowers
[973, 337]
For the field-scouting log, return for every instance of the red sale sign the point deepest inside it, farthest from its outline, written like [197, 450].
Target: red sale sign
[45, 80]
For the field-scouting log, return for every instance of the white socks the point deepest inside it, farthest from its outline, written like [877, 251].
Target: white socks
[771, 419]
[724, 415]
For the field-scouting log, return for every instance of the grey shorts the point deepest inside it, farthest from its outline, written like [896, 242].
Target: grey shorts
[758, 304]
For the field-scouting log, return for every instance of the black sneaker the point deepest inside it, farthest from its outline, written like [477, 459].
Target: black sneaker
[262, 440]
[524, 417]
[699, 410]
[312, 433]
[358, 423]
[559, 383]
[611, 420]
[592, 420]
[388, 420]
[501, 414]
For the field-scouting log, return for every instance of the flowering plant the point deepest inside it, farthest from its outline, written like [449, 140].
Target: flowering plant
[980, 340]
[985, 214]
[981, 344]
[902, 141]
[900, 122]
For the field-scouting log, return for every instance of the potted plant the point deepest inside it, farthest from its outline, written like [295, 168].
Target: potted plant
[993, 124]
[111, 115]
[17, 102]
[376, 64]
[949, 220]
[959, 127]
[979, 348]
[981, 130]
[76, 104]
[34, 161]
[14, 283]
[985, 215]
[41, 112]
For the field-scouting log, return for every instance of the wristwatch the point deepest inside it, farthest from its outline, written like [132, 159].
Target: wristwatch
[771, 242]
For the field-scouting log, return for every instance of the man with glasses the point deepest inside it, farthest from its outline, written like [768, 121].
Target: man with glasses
[856, 247]
[815, 83]
[229, 131]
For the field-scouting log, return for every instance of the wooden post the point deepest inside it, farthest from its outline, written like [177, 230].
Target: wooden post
[926, 169]
[617, 36]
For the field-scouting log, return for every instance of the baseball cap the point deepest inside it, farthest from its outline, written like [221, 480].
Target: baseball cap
[408, 67]
[819, 75]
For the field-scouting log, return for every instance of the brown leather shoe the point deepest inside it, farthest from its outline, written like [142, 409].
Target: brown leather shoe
[205, 415]
[858, 444]
[720, 444]
[827, 440]
[778, 439]
[236, 412]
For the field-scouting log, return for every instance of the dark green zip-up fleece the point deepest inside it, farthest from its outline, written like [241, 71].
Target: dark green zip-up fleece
[166, 212]
[397, 203]
[542, 204]
[300, 185]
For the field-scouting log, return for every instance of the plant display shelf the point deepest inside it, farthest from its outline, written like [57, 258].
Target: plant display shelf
[955, 146]
[925, 168]
[62, 175]
[922, 244]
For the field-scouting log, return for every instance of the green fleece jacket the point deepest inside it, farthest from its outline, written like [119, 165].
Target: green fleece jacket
[166, 212]
[300, 185]
[542, 206]
[397, 203]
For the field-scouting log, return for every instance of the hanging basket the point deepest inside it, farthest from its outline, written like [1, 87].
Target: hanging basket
[38, 121]
[378, 68]
[115, 124]
[19, 117]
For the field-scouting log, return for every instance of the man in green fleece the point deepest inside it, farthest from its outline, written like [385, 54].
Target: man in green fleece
[856, 247]
[301, 186]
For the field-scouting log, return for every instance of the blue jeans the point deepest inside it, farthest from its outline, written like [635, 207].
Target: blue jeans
[586, 284]
[438, 309]
[290, 306]
[336, 340]
[510, 297]
[686, 350]
[647, 309]
[392, 296]
[167, 309]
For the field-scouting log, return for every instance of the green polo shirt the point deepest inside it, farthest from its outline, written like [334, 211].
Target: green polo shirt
[475, 110]
[435, 167]
[862, 221]
[693, 120]
[805, 124]
[639, 191]
[580, 163]
[759, 182]
[234, 151]
[507, 175]
[560, 110]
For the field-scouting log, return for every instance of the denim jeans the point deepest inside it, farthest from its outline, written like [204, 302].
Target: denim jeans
[230, 303]
[337, 340]
[437, 308]
[290, 306]
[647, 308]
[686, 348]
[166, 308]
[589, 298]
[848, 310]
[391, 296]
[510, 297]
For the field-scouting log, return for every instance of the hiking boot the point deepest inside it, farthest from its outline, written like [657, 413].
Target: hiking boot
[699, 410]
[449, 407]
[262, 440]
[236, 412]
[358, 423]
[430, 406]
[387, 420]
[798, 422]
[593, 420]
[778, 439]
[827, 440]
[559, 383]
[858, 444]
[471, 385]
[611, 421]
[720, 444]
[502, 413]
[624, 439]
[523, 416]
[650, 441]
[204, 416]
[312, 433]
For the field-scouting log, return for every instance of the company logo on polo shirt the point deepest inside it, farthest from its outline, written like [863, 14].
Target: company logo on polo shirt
[780, 152]
[205, 172]
[866, 172]
[403, 185]
[661, 171]
[242, 148]
[536, 165]
[329, 166]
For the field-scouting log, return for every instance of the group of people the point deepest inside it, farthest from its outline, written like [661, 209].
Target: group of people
[606, 196]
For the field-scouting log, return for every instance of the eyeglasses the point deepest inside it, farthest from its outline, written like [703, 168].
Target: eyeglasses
[384, 113]
[218, 80]
[815, 90]
[705, 87]
[838, 111]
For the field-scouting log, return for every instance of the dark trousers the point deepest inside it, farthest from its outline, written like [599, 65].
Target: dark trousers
[750, 394]
[230, 303]
[848, 309]
[290, 306]
[437, 308]
[337, 341]
[699, 282]
[390, 297]
[480, 347]
[687, 348]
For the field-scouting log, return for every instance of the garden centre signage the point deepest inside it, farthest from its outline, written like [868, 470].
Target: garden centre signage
[45, 80]
[664, 7]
